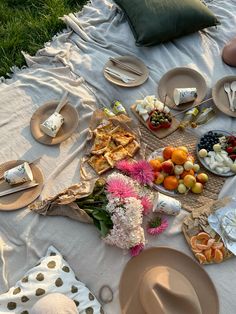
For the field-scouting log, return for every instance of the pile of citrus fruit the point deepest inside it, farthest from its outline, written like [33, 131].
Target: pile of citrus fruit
[207, 249]
[176, 171]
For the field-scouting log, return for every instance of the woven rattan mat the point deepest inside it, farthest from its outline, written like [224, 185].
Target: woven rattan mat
[186, 138]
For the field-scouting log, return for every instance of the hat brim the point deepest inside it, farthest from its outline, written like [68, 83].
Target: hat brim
[164, 256]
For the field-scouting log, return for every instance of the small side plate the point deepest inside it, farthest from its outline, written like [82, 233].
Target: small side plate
[201, 160]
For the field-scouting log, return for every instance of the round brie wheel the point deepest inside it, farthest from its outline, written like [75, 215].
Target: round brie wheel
[228, 224]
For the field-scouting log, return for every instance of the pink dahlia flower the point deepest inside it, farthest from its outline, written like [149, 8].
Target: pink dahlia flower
[157, 225]
[125, 166]
[118, 188]
[142, 172]
[147, 205]
[135, 250]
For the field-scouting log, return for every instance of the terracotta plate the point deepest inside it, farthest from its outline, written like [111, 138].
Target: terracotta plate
[23, 198]
[69, 126]
[202, 161]
[134, 63]
[180, 78]
[220, 97]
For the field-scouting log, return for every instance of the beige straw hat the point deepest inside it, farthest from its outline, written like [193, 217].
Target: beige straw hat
[166, 281]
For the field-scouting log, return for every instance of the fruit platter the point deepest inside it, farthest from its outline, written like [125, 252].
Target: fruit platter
[175, 171]
[216, 150]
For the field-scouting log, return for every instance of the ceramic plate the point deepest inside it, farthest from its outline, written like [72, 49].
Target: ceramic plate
[67, 129]
[134, 63]
[220, 97]
[23, 198]
[160, 187]
[180, 78]
[229, 174]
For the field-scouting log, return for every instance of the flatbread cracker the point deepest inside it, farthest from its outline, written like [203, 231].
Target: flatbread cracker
[99, 163]
[132, 148]
[122, 137]
[101, 143]
[117, 154]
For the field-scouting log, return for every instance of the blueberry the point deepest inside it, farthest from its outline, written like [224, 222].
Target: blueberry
[210, 133]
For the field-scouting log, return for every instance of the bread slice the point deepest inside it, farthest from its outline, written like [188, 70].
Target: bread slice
[132, 148]
[101, 143]
[99, 163]
[117, 154]
[105, 128]
[122, 137]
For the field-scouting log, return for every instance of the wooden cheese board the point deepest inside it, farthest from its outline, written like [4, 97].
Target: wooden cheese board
[161, 133]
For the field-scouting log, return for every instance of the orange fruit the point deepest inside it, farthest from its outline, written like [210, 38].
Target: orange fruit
[203, 235]
[187, 172]
[167, 152]
[193, 242]
[155, 164]
[170, 183]
[218, 257]
[179, 156]
[217, 245]
[208, 254]
[201, 258]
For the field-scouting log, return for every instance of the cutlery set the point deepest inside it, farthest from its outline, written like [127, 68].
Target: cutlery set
[230, 89]
[120, 75]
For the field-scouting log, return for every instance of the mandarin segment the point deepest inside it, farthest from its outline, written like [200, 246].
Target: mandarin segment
[201, 258]
[208, 254]
[193, 242]
[218, 257]
[203, 235]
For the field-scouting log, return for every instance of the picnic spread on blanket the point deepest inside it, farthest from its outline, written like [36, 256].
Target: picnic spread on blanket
[125, 124]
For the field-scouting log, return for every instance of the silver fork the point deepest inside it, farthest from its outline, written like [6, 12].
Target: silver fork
[227, 89]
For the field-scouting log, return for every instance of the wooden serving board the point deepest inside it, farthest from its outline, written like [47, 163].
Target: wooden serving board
[192, 225]
[161, 133]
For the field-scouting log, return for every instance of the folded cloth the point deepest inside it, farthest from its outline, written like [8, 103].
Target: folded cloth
[55, 303]
[58, 205]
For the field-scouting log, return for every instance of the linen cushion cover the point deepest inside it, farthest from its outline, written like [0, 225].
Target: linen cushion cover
[51, 275]
[156, 21]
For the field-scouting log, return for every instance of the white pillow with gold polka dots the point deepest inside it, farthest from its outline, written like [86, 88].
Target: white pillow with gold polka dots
[52, 274]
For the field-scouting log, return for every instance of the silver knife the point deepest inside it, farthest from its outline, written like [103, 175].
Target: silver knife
[22, 187]
[120, 73]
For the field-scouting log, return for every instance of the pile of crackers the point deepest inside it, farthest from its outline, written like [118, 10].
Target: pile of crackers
[111, 144]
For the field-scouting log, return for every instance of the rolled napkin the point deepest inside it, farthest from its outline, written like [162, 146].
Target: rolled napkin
[167, 205]
[52, 125]
[184, 95]
[19, 174]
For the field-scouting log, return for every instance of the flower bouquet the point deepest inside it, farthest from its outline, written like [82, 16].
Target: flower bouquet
[116, 206]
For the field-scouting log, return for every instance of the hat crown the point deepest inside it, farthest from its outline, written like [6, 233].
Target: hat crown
[164, 290]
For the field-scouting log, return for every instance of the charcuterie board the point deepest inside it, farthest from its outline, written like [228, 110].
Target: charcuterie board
[161, 133]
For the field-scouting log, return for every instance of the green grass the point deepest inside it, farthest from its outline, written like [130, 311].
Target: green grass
[27, 24]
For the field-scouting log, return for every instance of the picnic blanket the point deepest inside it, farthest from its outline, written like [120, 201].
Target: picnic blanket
[74, 61]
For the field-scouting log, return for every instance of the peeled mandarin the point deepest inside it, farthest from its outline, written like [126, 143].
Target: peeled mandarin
[203, 235]
[179, 157]
[201, 258]
[208, 254]
[218, 257]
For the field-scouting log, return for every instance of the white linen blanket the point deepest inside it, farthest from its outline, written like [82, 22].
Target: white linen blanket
[74, 61]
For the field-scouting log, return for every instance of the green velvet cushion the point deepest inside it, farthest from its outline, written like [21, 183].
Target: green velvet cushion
[156, 21]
